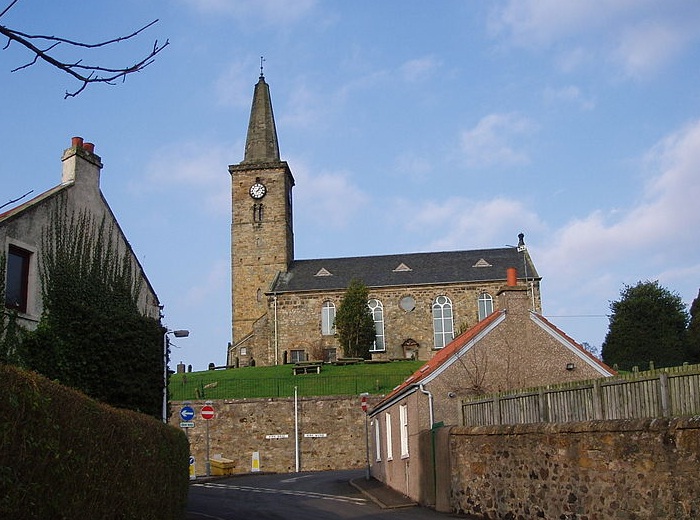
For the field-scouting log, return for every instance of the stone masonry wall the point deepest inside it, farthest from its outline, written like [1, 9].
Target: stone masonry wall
[241, 427]
[299, 317]
[641, 469]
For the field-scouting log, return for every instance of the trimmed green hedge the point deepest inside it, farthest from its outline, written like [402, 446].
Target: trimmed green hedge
[65, 456]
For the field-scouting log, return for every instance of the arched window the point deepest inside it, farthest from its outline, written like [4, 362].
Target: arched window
[328, 318]
[485, 305]
[443, 328]
[378, 314]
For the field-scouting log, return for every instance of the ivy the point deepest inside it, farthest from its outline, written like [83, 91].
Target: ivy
[91, 335]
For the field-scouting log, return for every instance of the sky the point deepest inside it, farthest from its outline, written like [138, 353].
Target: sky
[409, 126]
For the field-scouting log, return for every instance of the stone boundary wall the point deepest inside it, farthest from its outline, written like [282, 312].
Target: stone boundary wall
[331, 433]
[597, 470]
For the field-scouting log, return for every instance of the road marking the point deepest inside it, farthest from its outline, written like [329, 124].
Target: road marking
[269, 491]
[294, 479]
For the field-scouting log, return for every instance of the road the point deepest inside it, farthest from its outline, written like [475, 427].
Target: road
[309, 496]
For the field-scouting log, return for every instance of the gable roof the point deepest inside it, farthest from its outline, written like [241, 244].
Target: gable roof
[443, 359]
[572, 345]
[481, 265]
[465, 341]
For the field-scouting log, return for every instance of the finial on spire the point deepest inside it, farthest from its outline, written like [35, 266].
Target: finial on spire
[262, 59]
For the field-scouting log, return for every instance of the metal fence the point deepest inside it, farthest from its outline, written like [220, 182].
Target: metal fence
[672, 392]
[307, 385]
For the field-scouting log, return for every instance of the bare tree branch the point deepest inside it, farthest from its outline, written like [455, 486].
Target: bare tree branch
[15, 200]
[43, 45]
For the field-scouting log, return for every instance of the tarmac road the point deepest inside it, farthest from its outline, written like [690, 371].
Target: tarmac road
[326, 495]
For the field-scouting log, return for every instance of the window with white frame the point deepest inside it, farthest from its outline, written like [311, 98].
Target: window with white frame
[377, 440]
[378, 315]
[403, 420]
[328, 318]
[485, 305]
[443, 326]
[389, 444]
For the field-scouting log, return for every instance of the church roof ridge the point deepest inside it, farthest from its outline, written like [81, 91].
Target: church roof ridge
[426, 268]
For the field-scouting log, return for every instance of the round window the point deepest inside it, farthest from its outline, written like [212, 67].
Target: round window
[407, 303]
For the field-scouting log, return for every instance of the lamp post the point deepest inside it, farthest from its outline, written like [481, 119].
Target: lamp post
[181, 333]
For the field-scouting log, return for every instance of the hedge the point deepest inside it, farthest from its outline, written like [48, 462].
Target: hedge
[65, 456]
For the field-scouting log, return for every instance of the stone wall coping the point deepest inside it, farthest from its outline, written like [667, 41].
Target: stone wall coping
[214, 402]
[621, 425]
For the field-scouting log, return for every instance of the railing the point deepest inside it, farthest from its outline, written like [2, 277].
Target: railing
[672, 392]
[307, 385]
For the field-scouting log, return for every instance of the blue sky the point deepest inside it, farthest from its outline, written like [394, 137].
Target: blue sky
[409, 126]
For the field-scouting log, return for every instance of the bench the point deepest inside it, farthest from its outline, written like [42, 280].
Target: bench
[348, 361]
[307, 367]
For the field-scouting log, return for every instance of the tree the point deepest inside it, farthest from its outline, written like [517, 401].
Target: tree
[647, 324]
[42, 47]
[91, 335]
[694, 331]
[354, 323]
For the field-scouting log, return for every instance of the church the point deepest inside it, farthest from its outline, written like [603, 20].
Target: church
[283, 309]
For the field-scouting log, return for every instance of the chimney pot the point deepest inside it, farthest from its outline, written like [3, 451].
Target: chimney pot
[77, 142]
[511, 277]
[89, 147]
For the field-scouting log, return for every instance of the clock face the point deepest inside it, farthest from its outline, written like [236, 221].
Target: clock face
[258, 190]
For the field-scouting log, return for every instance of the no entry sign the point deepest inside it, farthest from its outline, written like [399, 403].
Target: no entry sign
[207, 412]
[364, 403]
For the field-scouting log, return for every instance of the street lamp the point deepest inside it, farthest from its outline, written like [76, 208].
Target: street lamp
[182, 333]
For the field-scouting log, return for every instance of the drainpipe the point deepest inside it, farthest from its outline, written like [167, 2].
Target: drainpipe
[276, 341]
[430, 403]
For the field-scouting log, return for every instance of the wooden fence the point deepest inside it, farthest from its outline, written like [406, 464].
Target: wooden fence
[672, 392]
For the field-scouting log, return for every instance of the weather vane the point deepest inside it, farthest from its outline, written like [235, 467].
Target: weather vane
[261, 66]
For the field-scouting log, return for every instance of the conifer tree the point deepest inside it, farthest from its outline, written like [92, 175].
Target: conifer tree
[647, 324]
[693, 337]
[354, 323]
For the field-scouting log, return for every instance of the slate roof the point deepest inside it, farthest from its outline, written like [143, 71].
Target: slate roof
[480, 265]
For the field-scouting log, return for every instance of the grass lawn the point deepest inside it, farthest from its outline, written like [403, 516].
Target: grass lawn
[279, 381]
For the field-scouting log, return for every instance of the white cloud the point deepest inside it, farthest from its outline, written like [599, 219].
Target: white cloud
[656, 237]
[208, 283]
[419, 69]
[640, 36]
[493, 140]
[233, 86]
[329, 196]
[645, 48]
[195, 165]
[472, 224]
[569, 94]
[273, 12]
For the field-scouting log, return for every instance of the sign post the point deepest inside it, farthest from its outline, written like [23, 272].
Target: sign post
[207, 414]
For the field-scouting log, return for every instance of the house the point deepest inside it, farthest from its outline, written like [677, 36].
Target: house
[283, 308]
[21, 230]
[514, 347]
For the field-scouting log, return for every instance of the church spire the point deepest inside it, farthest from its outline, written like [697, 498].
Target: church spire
[261, 144]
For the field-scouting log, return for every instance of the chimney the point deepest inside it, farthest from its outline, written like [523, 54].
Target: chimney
[513, 297]
[511, 277]
[80, 164]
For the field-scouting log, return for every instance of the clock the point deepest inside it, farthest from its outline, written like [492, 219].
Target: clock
[258, 190]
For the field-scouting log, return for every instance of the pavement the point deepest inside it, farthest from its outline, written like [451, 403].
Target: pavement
[381, 494]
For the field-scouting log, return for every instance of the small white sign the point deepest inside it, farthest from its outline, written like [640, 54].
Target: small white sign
[282, 436]
[316, 435]
[187, 424]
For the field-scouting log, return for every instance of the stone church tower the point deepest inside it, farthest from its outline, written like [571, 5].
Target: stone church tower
[262, 239]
